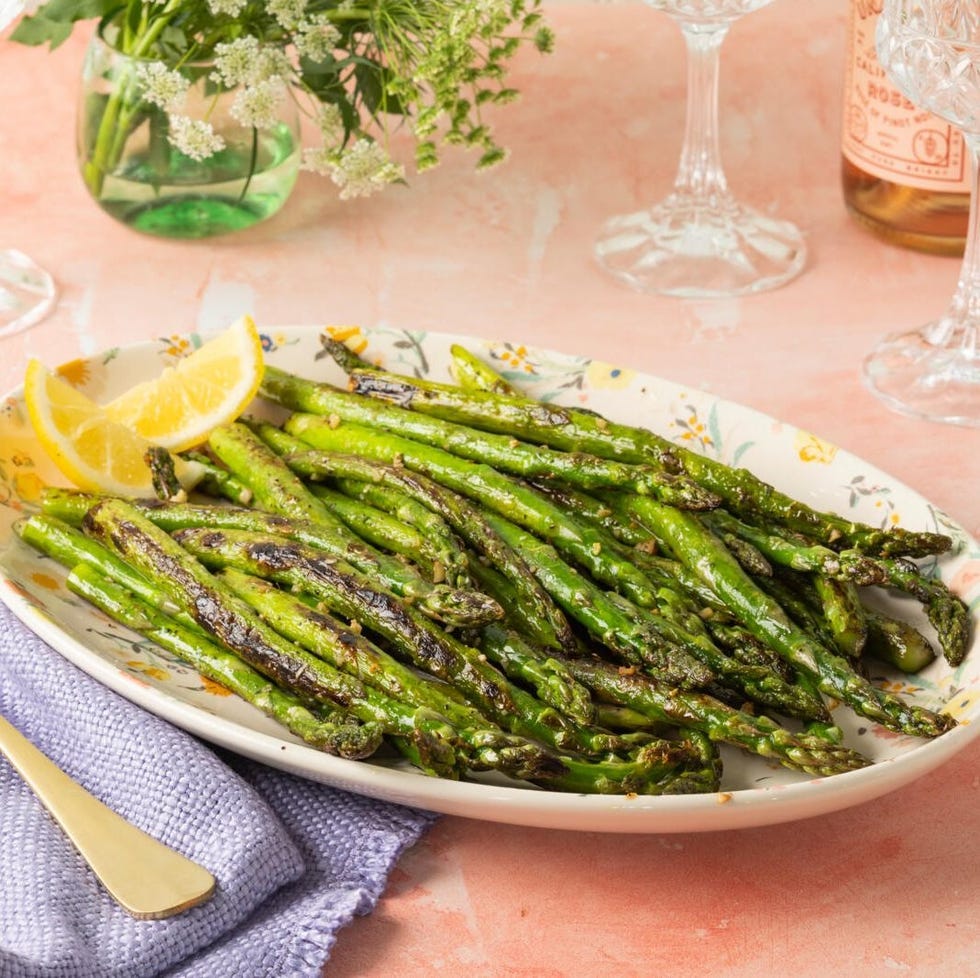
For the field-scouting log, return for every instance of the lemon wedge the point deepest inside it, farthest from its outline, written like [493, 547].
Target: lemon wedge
[210, 387]
[91, 450]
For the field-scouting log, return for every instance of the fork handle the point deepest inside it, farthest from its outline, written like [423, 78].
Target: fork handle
[148, 879]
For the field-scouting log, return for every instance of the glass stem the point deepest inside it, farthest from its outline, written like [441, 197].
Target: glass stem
[700, 173]
[961, 326]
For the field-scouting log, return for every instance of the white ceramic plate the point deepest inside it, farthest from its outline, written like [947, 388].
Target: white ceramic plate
[754, 792]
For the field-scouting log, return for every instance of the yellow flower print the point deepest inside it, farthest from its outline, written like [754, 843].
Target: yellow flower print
[810, 448]
[693, 429]
[215, 689]
[177, 346]
[351, 336]
[514, 357]
[75, 372]
[46, 581]
[152, 672]
[607, 376]
[28, 486]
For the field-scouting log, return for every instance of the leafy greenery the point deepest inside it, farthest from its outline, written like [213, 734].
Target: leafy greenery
[354, 67]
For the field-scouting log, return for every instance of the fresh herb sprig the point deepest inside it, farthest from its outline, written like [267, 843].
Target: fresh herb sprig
[354, 67]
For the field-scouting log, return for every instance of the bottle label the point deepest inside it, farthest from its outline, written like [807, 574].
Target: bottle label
[884, 133]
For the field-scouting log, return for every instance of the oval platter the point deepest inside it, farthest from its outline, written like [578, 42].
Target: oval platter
[753, 793]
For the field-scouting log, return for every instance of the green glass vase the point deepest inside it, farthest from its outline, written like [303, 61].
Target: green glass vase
[135, 172]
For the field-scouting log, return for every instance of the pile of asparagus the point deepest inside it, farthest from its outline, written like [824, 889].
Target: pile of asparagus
[482, 582]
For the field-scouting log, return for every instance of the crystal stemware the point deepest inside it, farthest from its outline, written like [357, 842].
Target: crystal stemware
[27, 292]
[931, 51]
[700, 241]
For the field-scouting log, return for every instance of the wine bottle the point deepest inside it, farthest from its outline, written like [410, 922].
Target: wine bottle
[905, 173]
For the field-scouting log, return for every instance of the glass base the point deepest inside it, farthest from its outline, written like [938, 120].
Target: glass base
[194, 216]
[27, 292]
[922, 380]
[683, 247]
[170, 195]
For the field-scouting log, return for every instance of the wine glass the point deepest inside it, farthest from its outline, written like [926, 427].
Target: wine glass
[700, 241]
[27, 291]
[931, 50]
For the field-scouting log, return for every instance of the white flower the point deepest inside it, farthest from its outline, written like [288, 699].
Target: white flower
[258, 105]
[162, 86]
[194, 138]
[320, 159]
[230, 7]
[316, 38]
[234, 60]
[272, 62]
[288, 12]
[330, 122]
[245, 61]
[364, 169]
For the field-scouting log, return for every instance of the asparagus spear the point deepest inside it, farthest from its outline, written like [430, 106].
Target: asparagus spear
[897, 643]
[217, 481]
[650, 640]
[546, 675]
[121, 528]
[70, 547]
[163, 474]
[279, 490]
[484, 745]
[422, 736]
[845, 565]
[630, 635]
[496, 491]
[535, 606]
[747, 554]
[439, 542]
[470, 372]
[517, 614]
[651, 768]
[325, 727]
[384, 532]
[844, 614]
[503, 452]
[761, 615]
[720, 723]
[398, 504]
[342, 354]
[578, 430]
[747, 648]
[946, 611]
[465, 608]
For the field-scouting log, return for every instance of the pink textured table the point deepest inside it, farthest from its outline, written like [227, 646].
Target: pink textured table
[887, 888]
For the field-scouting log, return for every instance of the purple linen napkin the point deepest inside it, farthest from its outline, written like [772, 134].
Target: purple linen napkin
[294, 860]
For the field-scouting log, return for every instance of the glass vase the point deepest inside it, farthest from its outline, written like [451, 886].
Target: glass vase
[135, 172]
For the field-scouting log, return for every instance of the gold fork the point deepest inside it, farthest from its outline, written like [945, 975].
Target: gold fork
[147, 878]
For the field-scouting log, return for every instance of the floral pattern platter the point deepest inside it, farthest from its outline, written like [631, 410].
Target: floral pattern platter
[754, 792]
